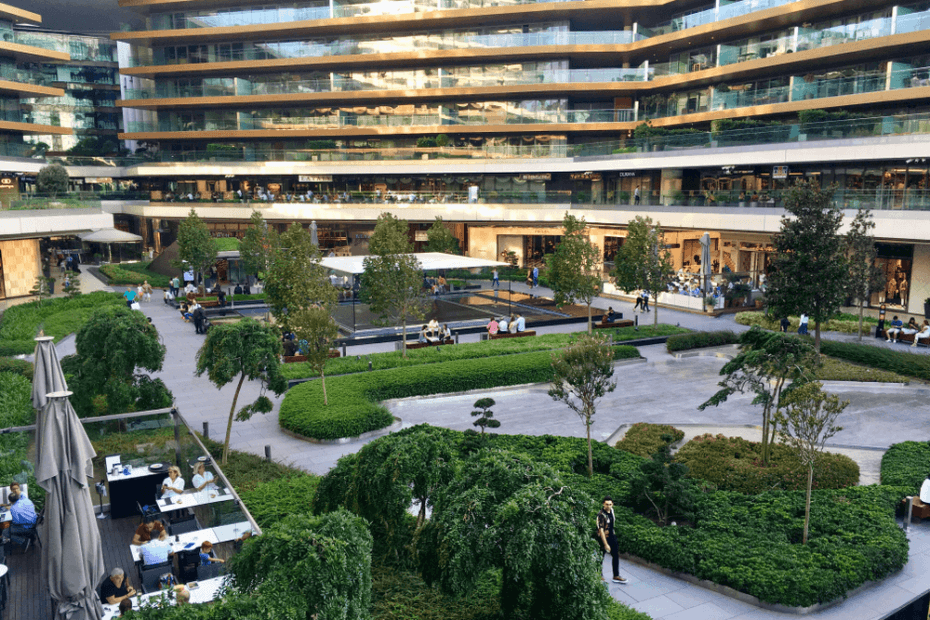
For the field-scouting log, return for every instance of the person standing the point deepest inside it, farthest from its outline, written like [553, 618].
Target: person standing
[535, 277]
[802, 328]
[495, 281]
[646, 301]
[785, 323]
[146, 291]
[608, 537]
[636, 195]
[176, 284]
[130, 296]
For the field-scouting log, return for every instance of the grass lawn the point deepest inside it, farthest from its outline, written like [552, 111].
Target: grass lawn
[839, 370]
[134, 274]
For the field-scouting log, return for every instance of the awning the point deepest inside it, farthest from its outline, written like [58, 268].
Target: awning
[429, 261]
[111, 235]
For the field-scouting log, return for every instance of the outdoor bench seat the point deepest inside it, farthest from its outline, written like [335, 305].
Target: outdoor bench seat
[423, 345]
[523, 334]
[617, 323]
[908, 339]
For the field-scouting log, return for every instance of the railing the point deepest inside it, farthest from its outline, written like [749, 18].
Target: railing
[21, 76]
[37, 40]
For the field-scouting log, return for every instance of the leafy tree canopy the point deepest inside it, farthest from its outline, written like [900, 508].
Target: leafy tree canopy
[643, 262]
[573, 269]
[440, 239]
[259, 244]
[864, 275]
[196, 248]
[390, 236]
[316, 331]
[52, 180]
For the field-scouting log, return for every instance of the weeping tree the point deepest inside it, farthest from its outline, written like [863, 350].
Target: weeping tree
[573, 269]
[864, 276]
[244, 350]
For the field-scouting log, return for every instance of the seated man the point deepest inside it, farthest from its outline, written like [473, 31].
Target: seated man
[923, 333]
[125, 606]
[156, 552]
[610, 317]
[433, 328]
[521, 323]
[14, 490]
[116, 588]
[151, 528]
[895, 329]
[237, 290]
[503, 325]
[23, 513]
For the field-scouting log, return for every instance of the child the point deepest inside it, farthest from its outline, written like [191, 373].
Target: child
[205, 550]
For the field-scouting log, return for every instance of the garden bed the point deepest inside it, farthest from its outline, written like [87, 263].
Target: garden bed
[58, 317]
[134, 274]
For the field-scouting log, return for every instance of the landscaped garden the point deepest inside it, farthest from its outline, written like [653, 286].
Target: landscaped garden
[134, 274]
[57, 317]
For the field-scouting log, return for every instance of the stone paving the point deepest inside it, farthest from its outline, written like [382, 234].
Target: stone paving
[662, 389]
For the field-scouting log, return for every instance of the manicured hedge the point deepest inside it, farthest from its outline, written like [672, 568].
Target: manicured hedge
[699, 340]
[906, 464]
[842, 323]
[645, 439]
[58, 317]
[734, 464]
[353, 399]
[466, 351]
[752, 542]
[900, 362]
[15, 366]
[134, 274]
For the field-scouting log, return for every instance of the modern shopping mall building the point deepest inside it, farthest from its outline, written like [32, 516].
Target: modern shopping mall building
[500, 115]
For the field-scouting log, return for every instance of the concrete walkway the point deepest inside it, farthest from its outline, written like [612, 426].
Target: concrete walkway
[663, 389]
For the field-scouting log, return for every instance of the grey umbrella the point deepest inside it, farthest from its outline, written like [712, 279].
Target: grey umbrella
[705, 262]
[72, 557]
[314, 238]
[48, 375]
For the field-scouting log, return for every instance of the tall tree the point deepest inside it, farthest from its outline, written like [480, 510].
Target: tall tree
[581, 374]
[258, 245]
[196, 248]
[440, 239]
[864, 276]
[316, 330]
[112, 347]
[768, 365]
[392, 282]
[295, 278]
[805, 424]
[247, 350]
[643, 262]
[573, 269]
[810, 270]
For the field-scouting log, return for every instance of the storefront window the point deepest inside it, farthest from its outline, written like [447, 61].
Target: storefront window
[895, 261]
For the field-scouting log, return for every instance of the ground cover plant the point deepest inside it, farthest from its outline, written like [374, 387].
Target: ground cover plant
[134, 274]
[734, 464]
[353, 399]
[469, 350]
[57, 317]
[646, 439]
[844, 323]
[907, 465]
[16, 410]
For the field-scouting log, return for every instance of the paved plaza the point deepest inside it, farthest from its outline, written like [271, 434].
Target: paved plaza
[662, 389]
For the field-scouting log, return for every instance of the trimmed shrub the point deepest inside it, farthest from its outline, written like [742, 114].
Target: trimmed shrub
[735, 464]
[15, 366]
[699, 340]
[271, 501]
[841, 323]
[645, 439]
[900, 362]
[906, 465]
[134, 274]
[354, 399]
[58, 317]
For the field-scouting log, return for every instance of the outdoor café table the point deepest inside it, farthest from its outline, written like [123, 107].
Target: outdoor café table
[197, 498]
[225, 533]
[128, 490]
[204, 592]
[195, 539]
[5, 519]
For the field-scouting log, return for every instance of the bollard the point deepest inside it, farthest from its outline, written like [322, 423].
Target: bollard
[456, 338]
[343, 349]
[206, 430]
[636, 320]
[369, 363]
[267, 453]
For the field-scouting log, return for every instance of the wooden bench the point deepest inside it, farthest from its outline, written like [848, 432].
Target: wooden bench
[617, 323]
[293, 359]
[908, 338]
[423, 345]
[522, 334]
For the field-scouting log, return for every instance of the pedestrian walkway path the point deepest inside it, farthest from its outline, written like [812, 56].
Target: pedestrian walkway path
[662, 390]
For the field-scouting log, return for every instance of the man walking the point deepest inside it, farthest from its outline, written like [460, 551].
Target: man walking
[608, 537]
[646, 301]
[636, 195]
[495, 281]
[535, 277]
[176, 284]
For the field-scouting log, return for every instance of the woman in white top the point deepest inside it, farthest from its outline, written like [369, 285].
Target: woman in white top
[923, 333]
[202, 480]
[173, 485]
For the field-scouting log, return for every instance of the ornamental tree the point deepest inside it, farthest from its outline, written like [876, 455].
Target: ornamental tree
[805, 424]
[196, 248]
[768, 365]
[258, 245]
[112, 347]
[484, 414]
[573, 269]
[247, 350]
[643, 262]
[810, 271]
[864, 276]
[581, 374]
[440, 238]
[316, 331]
[52, 180]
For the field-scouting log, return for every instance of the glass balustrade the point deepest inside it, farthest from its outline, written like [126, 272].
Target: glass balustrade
[36, 40]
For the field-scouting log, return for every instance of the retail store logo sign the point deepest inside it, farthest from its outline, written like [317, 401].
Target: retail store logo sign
[779, 172]
[7, 183]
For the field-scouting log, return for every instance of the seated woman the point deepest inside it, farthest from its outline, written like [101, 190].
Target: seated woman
[610, 317]
[513, 324]
[433, 328]
[202, 480]
[186, 312]
[493, 326]
[424, 335]
[923, 333]
[445, 333]
[173, 485]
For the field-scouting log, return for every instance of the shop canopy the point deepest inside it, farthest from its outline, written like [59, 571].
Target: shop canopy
[429, 261]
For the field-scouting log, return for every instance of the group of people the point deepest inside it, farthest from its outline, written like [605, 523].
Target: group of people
[507, 325]
[898, 329]
[642, 302]
[436, 285]
[141, 293]
[432, 333]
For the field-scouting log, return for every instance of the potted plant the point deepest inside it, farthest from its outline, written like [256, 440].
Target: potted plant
[709, 303]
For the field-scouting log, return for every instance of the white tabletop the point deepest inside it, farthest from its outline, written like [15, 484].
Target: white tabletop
[204, 592]
[5, 516]
[197, 498]
[135, 472]
[225, 533]
[196, 538]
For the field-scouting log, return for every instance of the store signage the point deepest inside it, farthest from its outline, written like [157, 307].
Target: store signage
[420, 235]
[539, 176]
[585, 176]
[315, 178]
[629, 173]
[779, 172]
[98, 180]
[7, 183]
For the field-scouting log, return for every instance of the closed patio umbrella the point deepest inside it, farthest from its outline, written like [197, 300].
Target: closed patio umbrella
[48, 376]
[72, 558]
[705, 262]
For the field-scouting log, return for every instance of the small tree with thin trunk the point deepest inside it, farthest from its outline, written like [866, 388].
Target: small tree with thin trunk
[247, 350]
[864, 275]
[582, 373]
[643, 262]
[439, 238]
[484, 414]
[316, 332]
[805, 424]
[258, 245]
[573, 269]
[196, 248]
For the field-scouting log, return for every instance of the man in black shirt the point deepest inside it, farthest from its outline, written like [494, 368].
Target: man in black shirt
[116, 588]
[605, 529]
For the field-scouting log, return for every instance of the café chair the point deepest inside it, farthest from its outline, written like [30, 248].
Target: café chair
[182, 527]
[149, 575]
[214, 569]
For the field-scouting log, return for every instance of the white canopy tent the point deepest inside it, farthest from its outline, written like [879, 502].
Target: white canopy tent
[109, 236]
[429, 261]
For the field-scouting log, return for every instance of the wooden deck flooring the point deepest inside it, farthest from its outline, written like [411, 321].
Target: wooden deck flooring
[28, 594]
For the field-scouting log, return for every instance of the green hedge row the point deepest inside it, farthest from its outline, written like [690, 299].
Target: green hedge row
[752, 542]
[646, 439]
[353, 399]
[699, 340]
[900, 362]
[468, 350]
[842, 323]
[58, 317]
[15, 366]
[134, 274]
[733, 464]
[906, 464]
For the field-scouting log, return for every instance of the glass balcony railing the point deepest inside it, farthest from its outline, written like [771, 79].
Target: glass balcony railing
[37, 40]
[23, 116]
[13, 74]
[709, 16]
